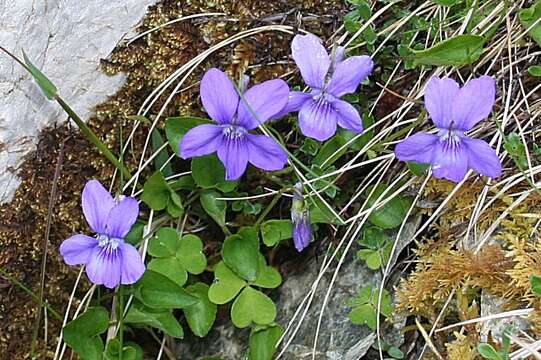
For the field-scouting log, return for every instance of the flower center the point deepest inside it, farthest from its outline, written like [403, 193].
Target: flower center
[233, 132]
[105, 241]
[450, 137]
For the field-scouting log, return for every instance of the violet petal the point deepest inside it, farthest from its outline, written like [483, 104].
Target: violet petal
[132, 264]
[311, 58]
[265, 153]
[219, 96]
[418, 147]
[474, 102]
[439, 97]
[77, 249]
[482, 158]
[123, 215]
[295, 102]
[317, 120]
[348, 117]
[200, 140]
[233, 153]
[97, 203]
[349, 74]
[104, 266]
[450, 161]
[265, 100]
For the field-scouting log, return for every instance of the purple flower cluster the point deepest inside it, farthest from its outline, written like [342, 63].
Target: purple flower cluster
[236, 113]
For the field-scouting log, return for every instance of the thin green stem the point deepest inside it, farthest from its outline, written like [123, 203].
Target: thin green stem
[121, 320]
[14, 281]
[269, 207]
[92, 137]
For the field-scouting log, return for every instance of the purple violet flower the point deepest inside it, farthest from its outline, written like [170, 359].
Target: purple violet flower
[454, 111]
[300, 217]
[230, 138]
[321, 109]
[108, 259]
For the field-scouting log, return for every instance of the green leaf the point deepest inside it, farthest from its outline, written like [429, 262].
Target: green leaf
[177, 127]
[374, 238]
[515, 147]
[164, 244]
[528, 17]
[226, 284]
[446, 2]
[274, 231]
[156, 192]
[488, 352]
[190, 254]
[395, 352]
[163, 320]
[82, 333]
[535, 281]
[456, 51]
[170, 267]
[319, 213]
[160, 160]
[159, 292]
[263, 342]
[268, 276]
[252, 306]
[241, 251]
[535, 70]
[130, 351]
[43, 82]
[418, 169]
[392, 213]
[373, 260]
[174, 206]
[209, 173]
[136, 233]
[215, 208]
[201, 315]
[364, 314]
[309, 147]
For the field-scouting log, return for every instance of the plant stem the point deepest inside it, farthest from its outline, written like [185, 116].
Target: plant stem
[268, 209]
[121, 320]
[93, 138]
[11, 279]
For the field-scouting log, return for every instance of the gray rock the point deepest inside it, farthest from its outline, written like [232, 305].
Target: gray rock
[66, 39]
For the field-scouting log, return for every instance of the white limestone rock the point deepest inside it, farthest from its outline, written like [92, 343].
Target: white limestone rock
[66, 39]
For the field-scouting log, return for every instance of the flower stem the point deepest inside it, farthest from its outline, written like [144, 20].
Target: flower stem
[91, 136]
[121, 320]
[14, 281]
[268, 209]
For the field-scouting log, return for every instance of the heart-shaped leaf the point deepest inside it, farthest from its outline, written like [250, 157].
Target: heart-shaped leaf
[241, 253]
[160, 319]
[209, 173]
[263, 342]
[215, 208]
[201, 315]
[164, 243]
[252, 306]
[82, 333]
[268, 276]
[170, 267]
[226, 284]
[274, 231]
[159, 292]
[190, 254]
